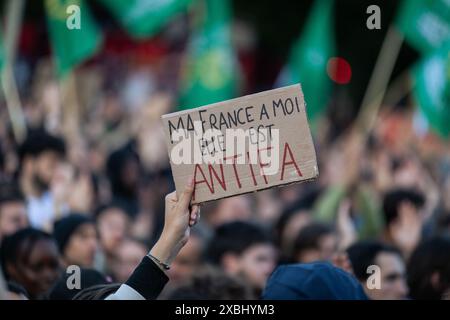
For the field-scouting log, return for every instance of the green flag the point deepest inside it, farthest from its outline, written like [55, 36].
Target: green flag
[309, 57]
[432, 90]
[73, 33]
[144, 18]
[211, 70]
[425, 23]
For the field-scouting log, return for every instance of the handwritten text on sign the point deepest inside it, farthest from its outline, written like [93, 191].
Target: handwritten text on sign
[242, 145]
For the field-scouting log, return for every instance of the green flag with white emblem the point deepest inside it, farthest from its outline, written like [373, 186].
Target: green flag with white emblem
[144, 18]
[210, 73]
[425, 23]
[74, 35]
[309, 58]
[432, 90]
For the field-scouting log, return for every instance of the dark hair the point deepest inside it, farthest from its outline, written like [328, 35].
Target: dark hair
[234, 237]
[394, 198]
[10, 192]
[39, 141]
[303, 203]
[23, 239]
[363, 254]
[16, 288]
[115, 203]
[211, 284]
[66, 227]
[430, 257]
[285, 218]
[98, 292]
[115, 164]
[443, 226]
[89, 278]
[309, 237]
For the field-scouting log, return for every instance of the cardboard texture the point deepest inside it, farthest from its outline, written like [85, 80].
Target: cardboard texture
[263, 117]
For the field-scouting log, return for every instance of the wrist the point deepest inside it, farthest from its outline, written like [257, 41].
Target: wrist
[164, 250]
[161, 265]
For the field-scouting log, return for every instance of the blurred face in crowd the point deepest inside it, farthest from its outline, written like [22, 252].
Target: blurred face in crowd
[327, 246]
[255, 264]
[187, 260]
[393, 278]
[112, 226]
[405, 231]
[232, 209]
[13, 216]
[82, 246]
[130, 174]
[38, 270]
[128, 255]
[292, 229]
[43, 168]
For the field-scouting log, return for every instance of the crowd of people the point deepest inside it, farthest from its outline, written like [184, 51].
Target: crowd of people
[381, 202]
[87, 187]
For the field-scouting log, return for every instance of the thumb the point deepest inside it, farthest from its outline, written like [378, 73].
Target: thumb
[186, 196]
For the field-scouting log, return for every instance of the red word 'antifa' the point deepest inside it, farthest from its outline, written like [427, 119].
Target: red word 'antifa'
[214, 174]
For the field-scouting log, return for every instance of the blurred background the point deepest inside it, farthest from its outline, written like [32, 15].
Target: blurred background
[85, 82]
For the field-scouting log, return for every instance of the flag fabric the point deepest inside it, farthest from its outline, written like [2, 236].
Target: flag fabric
[210, 73]
[144, 18]
[71, 45]
[309, 57]
[425, 23]
[432, 90]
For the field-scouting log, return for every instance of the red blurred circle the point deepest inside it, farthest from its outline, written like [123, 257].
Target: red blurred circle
[339, 70]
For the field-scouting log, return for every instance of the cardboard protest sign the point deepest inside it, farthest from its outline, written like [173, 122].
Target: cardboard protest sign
[242, 145]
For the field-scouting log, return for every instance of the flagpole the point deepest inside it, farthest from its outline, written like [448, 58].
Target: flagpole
[400, 87]
[71, 110]
[14, 13]
[379, 80]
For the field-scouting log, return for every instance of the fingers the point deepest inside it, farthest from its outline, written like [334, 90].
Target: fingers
[186, 196]
[194, 215]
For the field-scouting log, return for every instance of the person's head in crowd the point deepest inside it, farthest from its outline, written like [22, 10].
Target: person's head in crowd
[112, 222]
[243, 249]
[312, 281]
[87, 279]
[123, 169]
[287, 228]
[210, 283]
[429, 270]
[294, 217]
[406, 171]
[226, 210]
[40, 154]
[403, 218]
[128, 255]
[30, 258]
[315, 242]
[13, 213]
[392, 270]
[188, 259]
[76, 236]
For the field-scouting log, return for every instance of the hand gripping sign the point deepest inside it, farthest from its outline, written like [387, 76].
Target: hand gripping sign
[242, 145]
